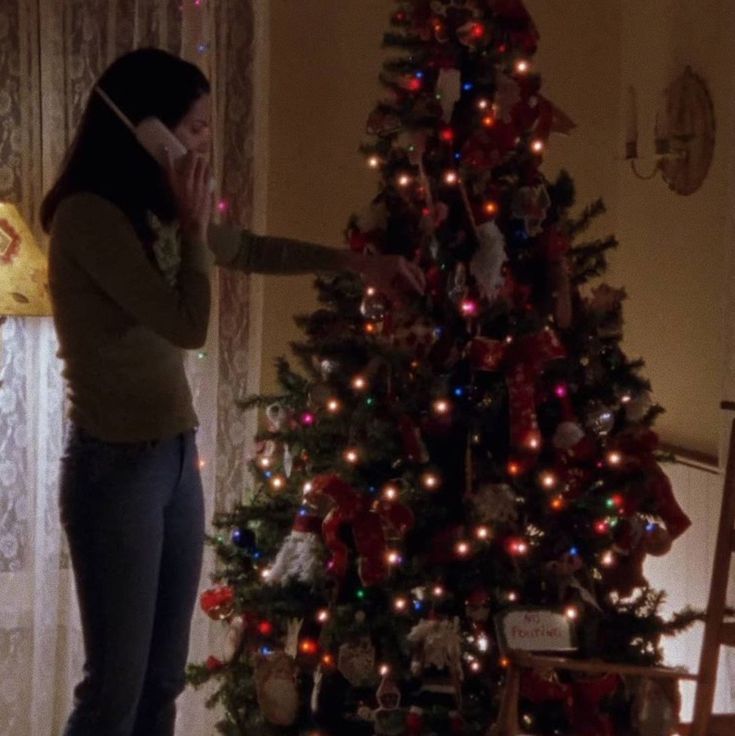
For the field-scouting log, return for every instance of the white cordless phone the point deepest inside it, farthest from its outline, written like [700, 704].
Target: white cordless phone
[151, 133]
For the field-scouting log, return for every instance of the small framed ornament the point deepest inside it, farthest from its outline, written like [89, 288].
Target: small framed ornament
[356, 662]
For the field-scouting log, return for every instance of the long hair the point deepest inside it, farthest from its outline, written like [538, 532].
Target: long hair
[106, 159]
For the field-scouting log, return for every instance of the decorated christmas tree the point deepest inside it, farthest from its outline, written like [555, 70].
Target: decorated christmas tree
[434, 460]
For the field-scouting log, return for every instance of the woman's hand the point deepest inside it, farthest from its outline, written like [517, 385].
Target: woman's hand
[189, 180]
[390, 274]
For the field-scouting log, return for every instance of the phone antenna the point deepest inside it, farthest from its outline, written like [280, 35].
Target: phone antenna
[114, 107]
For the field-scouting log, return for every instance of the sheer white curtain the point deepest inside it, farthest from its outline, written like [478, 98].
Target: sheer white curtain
[50, 53]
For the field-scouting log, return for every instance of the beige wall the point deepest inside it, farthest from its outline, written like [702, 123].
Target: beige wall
[675, 247]
[579, 60]
[325, 56]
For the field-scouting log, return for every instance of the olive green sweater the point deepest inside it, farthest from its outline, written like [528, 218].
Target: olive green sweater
[123, 328]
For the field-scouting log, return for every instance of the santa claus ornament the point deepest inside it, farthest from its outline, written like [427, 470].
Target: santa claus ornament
[276, 688]
[437, 666]
[302, 554]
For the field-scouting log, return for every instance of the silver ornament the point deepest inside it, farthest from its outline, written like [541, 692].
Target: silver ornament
[601, 420]
[458, 283]
[636, 407]
[277, 416]
[328, 367]
[487, 263]
[373, 307]
[567, 435]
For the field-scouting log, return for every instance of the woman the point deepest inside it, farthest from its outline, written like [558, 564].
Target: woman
[128, 295]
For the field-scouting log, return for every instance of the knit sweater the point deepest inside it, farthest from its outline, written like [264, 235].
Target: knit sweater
[123, 326]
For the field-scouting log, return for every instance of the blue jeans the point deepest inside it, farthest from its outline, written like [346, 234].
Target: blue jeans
[133, 514]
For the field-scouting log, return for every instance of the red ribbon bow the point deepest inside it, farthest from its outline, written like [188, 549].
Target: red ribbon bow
[367, 519]
[636, 447]
[522, 360]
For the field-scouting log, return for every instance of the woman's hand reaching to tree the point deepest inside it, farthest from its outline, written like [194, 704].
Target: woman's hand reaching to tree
[392, 275]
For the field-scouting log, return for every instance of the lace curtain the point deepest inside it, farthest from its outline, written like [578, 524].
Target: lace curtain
[50, 53]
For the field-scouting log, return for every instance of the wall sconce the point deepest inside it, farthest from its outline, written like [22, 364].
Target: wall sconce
[684, 134]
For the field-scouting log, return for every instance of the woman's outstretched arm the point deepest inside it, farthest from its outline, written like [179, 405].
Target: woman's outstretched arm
[242, 250]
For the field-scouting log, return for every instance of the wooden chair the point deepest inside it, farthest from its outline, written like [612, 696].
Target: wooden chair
[559, 629]
[717, 632]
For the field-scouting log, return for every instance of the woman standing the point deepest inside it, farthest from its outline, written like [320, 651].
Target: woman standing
[129, 280]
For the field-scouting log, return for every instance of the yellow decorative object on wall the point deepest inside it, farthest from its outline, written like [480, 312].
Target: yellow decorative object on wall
[23, 269]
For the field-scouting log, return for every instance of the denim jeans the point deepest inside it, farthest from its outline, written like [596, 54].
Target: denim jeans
[133, 514]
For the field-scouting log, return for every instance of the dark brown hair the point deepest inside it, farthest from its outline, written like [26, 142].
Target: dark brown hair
[105, 158]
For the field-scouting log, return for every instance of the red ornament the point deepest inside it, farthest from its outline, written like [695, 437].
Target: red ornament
[435, 281]
[363, 241]
[456, 724]
[396, 516]
[584, 707]
[524, 35]
[265, 628]
[554, 244]
[441, 548]
[515, 467]
[308, 646]
[602, 527]
[413, 445]
[627, 573]
[471, 34]
[516, 546]
[414, 722]
[218, 602]
[636, 449]
[213, 664]
[488, 146]
[539, 689]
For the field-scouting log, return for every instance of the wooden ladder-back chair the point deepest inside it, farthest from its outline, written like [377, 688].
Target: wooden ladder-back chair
[717, 632]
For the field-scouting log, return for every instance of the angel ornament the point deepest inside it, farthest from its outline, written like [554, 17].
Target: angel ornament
[389, 718]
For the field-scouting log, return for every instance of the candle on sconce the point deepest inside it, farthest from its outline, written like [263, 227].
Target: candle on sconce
[631, 125]
[662, 131]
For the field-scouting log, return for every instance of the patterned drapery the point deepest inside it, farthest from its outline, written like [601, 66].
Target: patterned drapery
[50, 54]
